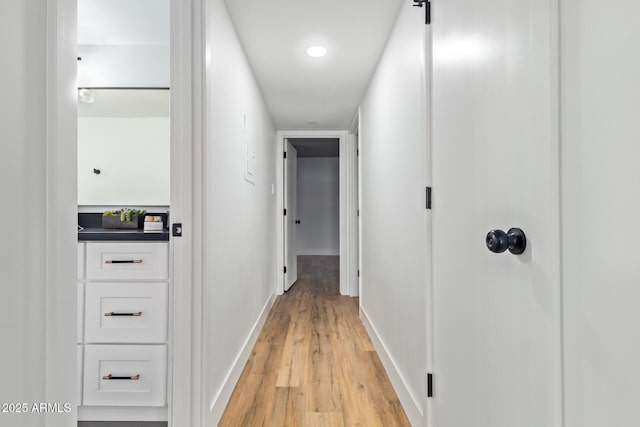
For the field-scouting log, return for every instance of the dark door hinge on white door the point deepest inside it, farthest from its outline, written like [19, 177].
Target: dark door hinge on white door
[285, 154]
[427, 11]
[428, 198]
[285, 212]
[285, 269]
[429, 384]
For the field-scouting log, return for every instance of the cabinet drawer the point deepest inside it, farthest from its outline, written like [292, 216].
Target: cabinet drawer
[129, 261]
[125, 375]
[126, 312]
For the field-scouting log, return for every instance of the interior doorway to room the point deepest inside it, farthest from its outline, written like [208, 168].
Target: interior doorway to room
[311, 205]
[131, 122]
[347, 206]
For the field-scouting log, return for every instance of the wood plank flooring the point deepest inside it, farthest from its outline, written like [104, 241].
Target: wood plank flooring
[313, 363]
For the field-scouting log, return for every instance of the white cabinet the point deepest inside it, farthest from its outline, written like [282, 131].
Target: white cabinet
[123, 299]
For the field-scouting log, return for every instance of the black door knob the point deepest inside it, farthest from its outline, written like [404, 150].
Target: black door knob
[498, 241]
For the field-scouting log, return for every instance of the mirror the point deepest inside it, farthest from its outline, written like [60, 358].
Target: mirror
[124, 147]
[123, 102]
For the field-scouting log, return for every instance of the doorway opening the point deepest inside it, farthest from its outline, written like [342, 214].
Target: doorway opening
[318, 232]
[312, 204]
[128, 120]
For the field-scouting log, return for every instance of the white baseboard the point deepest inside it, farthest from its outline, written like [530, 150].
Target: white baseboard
[409, 401]
[219, 403]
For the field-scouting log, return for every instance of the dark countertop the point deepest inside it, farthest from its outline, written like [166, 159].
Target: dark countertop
[128, 235]
[92, 230]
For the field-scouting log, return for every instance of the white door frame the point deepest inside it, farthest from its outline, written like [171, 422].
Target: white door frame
[427, 66]
[187, 73]
[61, 205]
[186, 136]
[346, 233]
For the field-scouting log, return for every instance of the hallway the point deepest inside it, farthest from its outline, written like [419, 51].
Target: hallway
[487, 198]
[313, 363]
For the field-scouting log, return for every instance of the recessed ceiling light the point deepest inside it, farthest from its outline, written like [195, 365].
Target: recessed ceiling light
[317, 51]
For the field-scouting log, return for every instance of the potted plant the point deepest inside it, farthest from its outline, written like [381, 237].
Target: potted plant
[124, 218]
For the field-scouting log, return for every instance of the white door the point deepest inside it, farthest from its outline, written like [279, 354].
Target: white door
[497, 342]
[357, 198]
[291, 213]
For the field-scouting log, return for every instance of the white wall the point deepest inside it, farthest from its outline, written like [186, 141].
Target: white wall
[318, 206]
[239, 239]
[600, 106]
[132, 154]
[394, 172]
[126, 135]
[22, 158]
[37, 255]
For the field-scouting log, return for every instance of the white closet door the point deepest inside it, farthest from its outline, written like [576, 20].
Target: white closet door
[497, 341]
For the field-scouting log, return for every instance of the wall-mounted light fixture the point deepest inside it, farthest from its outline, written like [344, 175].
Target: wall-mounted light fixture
[86, 95]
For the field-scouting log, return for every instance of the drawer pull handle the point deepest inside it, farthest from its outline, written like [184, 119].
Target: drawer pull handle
[111, 377]
[136, 314]
[123, 261]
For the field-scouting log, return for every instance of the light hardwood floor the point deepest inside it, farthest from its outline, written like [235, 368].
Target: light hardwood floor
[313, 363]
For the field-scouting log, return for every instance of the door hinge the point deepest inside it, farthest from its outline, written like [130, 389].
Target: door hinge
[285, 155]
[357, 151]
[358, 212]
[428, 198]
[358, 273]
[427, 10]
[429, 384]
[285, 269]
[285, 212]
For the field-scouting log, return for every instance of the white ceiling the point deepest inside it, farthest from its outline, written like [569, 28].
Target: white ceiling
[275, 34]
[297, 88]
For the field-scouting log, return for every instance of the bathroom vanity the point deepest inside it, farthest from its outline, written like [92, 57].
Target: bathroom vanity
[123, 318]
